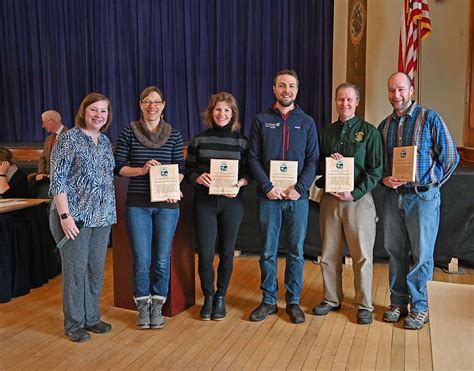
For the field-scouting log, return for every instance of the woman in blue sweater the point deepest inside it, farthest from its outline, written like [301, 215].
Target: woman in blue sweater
[148, 142]
[217, 216]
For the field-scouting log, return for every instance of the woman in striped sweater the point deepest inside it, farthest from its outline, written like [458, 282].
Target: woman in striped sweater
[217, 216]
[150, 141]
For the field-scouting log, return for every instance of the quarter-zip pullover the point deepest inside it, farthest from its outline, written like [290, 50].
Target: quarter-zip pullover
[290, 137]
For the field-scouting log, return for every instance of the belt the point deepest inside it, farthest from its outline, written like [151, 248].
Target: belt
[416, 189]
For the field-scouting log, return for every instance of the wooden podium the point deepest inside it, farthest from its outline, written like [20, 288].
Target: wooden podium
[181, 293]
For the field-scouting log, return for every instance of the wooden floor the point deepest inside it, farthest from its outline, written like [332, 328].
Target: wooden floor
[31, 335]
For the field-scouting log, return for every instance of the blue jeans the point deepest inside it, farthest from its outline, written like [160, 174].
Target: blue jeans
[411, 224]
[290, 218]
[151, 232]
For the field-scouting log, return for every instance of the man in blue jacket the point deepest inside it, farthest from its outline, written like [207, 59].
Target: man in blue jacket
[284, 133]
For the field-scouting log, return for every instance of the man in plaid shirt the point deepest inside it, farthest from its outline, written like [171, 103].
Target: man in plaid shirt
[412, 209]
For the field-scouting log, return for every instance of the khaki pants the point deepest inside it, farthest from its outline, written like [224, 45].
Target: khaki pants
[354, 223]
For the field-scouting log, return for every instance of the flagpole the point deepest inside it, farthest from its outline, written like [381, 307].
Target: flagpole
[418, 62]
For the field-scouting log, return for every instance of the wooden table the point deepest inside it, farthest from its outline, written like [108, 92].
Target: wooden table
[12, 204]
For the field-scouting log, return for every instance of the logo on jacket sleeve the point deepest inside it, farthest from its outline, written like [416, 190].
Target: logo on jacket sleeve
[272, 125]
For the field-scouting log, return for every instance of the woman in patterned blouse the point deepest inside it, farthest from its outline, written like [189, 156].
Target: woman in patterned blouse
[82, 184]
[148, 142]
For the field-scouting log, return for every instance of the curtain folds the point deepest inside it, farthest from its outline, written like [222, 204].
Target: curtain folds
[54, 52]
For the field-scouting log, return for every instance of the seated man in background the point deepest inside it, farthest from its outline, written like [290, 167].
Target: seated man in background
[51, 122]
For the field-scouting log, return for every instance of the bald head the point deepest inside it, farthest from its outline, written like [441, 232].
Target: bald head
[399, 75]
[51, 121]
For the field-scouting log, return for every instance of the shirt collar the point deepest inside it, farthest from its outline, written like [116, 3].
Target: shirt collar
[350, 123]
[410, 112]
[284, 115]
[59, 130]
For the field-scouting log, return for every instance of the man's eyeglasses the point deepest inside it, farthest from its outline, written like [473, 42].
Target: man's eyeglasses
[149, 102]
[44, 123]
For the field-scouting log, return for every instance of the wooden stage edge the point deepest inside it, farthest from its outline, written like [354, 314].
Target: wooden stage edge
[467, 155]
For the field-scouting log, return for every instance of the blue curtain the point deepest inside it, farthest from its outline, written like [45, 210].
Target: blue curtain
[54, 52]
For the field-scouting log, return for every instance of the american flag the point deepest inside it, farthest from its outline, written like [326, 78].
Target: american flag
[414, 11]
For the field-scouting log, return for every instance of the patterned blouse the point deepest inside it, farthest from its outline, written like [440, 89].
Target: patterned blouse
[84, 171]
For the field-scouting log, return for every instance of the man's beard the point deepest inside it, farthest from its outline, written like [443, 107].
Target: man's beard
[286, 103]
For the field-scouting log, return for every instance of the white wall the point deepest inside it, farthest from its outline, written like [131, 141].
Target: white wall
[444, 60]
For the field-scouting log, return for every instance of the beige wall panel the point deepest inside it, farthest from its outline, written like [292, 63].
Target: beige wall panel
[444, 60]
[444, 73]
[339, 48]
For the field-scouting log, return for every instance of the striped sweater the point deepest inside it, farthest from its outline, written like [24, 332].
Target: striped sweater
[131, 152]
[212, 143]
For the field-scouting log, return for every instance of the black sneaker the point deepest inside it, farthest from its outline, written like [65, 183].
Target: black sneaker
[394, 312]
[79, 336]
[263, 311]
[324, 308]
[100, 327]
[416, 320]
[364, 317]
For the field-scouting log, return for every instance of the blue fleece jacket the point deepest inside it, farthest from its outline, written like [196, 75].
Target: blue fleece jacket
[291, 138]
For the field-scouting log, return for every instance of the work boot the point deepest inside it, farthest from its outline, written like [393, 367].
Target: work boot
[143, 312]
[156, 319]
[295, 312]
[206, 310]
[263, 311]
[218, 308]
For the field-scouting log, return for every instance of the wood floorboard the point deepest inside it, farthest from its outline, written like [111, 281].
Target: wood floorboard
[31, 335]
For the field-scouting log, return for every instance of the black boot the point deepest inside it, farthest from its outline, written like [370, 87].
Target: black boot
[218, 309]
[206, 310]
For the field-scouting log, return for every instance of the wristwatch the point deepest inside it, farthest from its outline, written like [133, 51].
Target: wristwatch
[65, 216]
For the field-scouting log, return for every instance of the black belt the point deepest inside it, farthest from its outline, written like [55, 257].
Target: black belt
[416, 189]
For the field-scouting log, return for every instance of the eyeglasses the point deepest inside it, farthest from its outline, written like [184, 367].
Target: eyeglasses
[44, 123]
[149, 102]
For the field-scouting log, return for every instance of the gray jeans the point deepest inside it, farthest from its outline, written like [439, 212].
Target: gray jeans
[82, 270]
